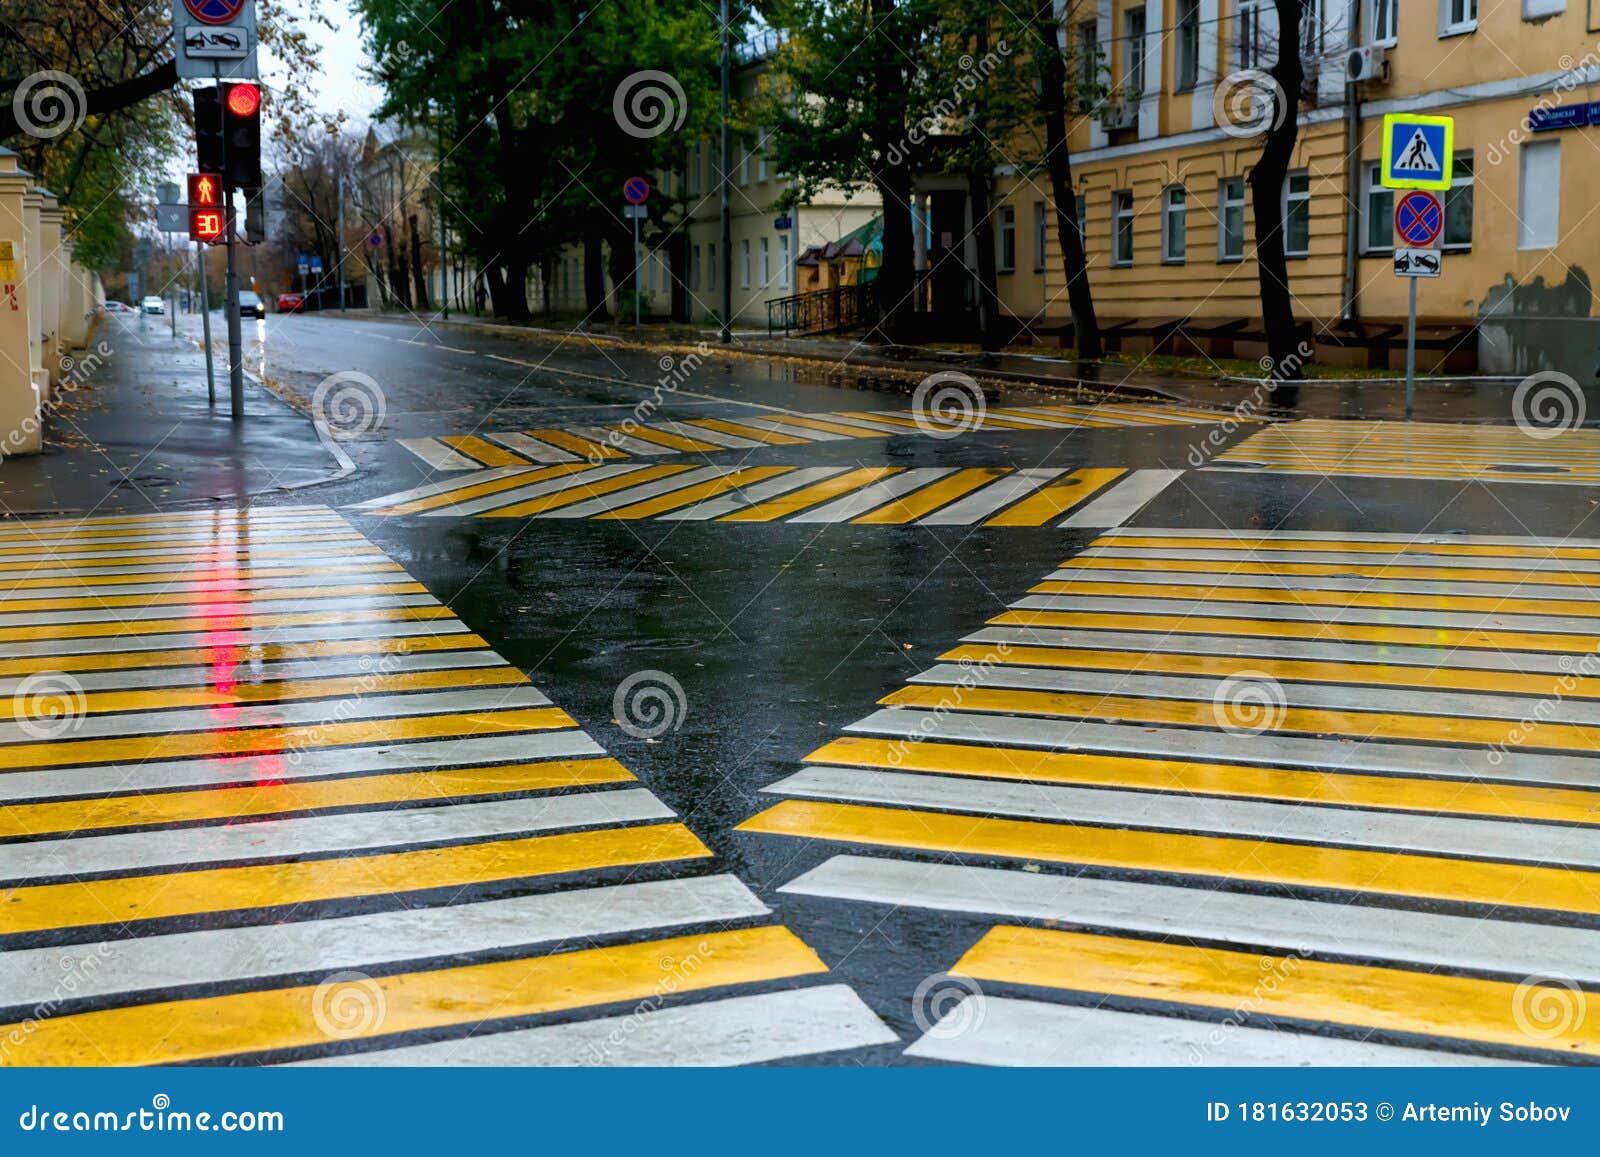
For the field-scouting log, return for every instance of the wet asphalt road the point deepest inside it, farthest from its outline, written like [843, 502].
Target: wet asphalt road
[779, 633]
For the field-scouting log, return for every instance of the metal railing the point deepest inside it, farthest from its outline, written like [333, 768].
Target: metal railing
[822, 310]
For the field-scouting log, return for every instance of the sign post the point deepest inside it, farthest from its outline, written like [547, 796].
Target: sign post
[635, 191]
[1418, 155]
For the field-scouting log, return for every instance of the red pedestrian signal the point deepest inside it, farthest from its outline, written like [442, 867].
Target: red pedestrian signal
[243, 99]
[206, 224]
[205, 189]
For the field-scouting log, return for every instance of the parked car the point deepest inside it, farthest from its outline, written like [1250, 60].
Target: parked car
[250, 305]
[119, 307]
[152, 304]
[291, 303]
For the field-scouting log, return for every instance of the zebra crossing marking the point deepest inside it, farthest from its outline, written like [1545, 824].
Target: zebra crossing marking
[1228, 731]
[360, 799]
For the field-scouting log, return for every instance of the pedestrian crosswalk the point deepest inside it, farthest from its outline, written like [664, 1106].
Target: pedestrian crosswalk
[863, 496]
[1443, 450]
[263, 798]
[1231, 798]
[770, 426]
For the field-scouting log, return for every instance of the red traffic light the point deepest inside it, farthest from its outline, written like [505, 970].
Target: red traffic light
[205, 189]
[243, 100]
[206, 224]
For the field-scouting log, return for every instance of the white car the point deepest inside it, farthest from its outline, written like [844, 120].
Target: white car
[152, 305]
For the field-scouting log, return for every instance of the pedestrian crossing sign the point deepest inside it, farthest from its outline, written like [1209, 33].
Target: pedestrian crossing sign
[1417, 151]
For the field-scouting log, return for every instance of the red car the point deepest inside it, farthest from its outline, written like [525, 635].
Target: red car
[291, 303]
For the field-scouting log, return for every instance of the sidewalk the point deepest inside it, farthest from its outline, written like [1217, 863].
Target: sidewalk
[132, 431]
[1441, 399]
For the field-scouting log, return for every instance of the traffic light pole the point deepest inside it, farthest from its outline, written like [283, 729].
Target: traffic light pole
[205, 326]
[235, 336]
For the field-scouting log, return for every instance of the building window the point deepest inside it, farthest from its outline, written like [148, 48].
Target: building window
[744, 264]
[1539, 200]
[1041, 235]
[694, 170]
[1133, 26]
[762, 172]
[1230, 220]
[1311, 30]
[694, 269]
[1377, 234]
[1533, 9]
[1186, 59]
[1297, 215]
[1383, 26]
[783, 261]
[1005, 239]
[1174, 224]
[744, 161]
[1249, 31]
[766, 263]
[1456, 16]
[1088, 61]
[1458, 205]
[1122, 227]
[711, 268]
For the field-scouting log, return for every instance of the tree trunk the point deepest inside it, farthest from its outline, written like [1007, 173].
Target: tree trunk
[988, 282]
[420, 281]
[594, 276]
[1267, 181]
[896, 271]
[1058, 162]
[516, 288]
[621, 264]
[497, 290]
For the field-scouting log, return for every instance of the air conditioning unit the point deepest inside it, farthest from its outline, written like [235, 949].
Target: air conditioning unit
[1366, 63]
[1120, 114]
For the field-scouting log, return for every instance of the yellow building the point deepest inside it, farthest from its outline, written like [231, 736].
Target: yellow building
[1160, 167]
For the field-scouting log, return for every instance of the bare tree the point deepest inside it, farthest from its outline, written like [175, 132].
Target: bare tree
[1267, 179]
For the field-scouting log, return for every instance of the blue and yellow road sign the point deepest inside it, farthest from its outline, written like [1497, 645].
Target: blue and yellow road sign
[1417, 151]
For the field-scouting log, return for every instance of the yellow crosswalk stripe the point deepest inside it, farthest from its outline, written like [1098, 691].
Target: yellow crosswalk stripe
[1378, 570]
[198, 578]
[235, 693]
[588, 448]
[224, 556]
[198, 519]
[909, 507]
[1191, 713]
[291, 543]
[484, 451]
[132, 749]
[79, 903]
[585, 490]
[1503, 604]
[222, 621]
[689, 495]
[288, 796]
[231, 655]
[113, 536]
[191, 1030]
[1343, 789]
[1221, 857]
[891, 419]
[1292, 670]
[451, 497]
[665, 438]
[232, 597]
[797, 500]
[1052, 501]
[1271, 629]
[754, 433]
[1321, 991]
[809, 422]
[1333, 543]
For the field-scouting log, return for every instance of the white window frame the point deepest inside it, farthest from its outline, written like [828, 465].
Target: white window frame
[766, 262]
[1224, 203]
[784, 280]
[1372, 189]
[694, 171]
[1383, 23]
[711, 268]
[694, 269]
[1313, 30]
[1041, 236]
[1247, 21]
[1457, 17]
[1535, 9]
[1535, 232]
[1463, 175]
[1289, 197]
[762, 170]
[744, 162]
[1121, 210]
[1174, 225]
[1135, 64]
[744, 263]
[1186, 45]
[1005, 235]
[1088, 55]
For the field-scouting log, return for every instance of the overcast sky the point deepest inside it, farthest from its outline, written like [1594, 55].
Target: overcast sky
[343, 83]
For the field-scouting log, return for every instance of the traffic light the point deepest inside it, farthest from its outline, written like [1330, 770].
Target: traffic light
[208, 141]
[242, 124]
[207, 224]
[255, 225]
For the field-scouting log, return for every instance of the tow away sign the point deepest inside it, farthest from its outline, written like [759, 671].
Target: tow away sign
[1417, 151]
